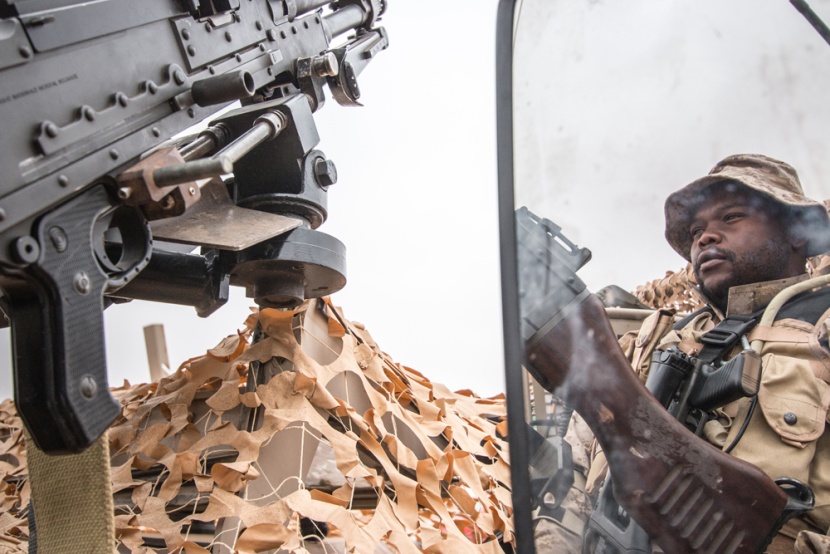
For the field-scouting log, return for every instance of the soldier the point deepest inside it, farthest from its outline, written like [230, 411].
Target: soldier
[748, 231]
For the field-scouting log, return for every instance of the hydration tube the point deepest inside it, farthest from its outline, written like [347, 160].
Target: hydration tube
[767, 320]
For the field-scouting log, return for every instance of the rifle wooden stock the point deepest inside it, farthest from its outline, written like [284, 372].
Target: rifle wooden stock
[688, 496]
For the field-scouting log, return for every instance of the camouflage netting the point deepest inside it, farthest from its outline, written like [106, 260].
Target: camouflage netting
[673, 292]
[211, 458]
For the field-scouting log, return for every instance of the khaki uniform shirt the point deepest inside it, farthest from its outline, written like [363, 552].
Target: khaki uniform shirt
[786, 435]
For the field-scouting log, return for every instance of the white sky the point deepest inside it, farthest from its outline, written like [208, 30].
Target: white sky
[415, 206]
[621, 103]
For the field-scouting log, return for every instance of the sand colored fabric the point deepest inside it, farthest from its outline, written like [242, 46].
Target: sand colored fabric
[15, 491]
[213, 457]
[72, 499]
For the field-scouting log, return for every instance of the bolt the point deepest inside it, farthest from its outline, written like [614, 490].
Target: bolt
[26, 249]
[262, 47]
[239, 57]
[168, 203]
[50, 129]
[272, 36]
[293, 30]
[258, 25]
[89, 387]
[63, 180]
[212, 70]
[228, 36]
[25, 52]
[121, 99]
[152, 88]
[191, 113]
[156, 132]
[305, 24]
[82, 283]
[192, 191]
[114, 154]
[179, 77]
[282, 34]
[88, 113]
[208, 28]
[185, 34]
[325, 172]
[325, 65]
[191, 50]
[124, 193]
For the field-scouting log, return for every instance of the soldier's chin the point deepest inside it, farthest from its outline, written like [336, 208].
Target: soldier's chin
[716, 290]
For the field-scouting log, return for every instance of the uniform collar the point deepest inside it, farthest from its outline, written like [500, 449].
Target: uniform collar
[747, 299]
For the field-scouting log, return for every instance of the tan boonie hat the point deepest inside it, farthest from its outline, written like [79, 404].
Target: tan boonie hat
[771, 178]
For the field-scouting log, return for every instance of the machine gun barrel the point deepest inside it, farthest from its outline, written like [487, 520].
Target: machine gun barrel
[346, 19]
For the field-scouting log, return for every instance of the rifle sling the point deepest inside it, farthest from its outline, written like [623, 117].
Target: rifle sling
[719, 340]
[72, 500]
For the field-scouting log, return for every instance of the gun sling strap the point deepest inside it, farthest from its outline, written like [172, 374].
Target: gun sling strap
[72, 500]
[722, 338]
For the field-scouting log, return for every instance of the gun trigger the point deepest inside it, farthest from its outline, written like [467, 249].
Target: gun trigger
[800, 497]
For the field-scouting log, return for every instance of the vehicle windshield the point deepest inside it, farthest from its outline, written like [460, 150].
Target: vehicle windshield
[618, 104]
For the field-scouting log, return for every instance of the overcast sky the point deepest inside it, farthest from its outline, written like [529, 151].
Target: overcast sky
[621, 103]
[415, 206]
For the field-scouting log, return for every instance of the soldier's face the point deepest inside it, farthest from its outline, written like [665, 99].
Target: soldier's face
[738, 240]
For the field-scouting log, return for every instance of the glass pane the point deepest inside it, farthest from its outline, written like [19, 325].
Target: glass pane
[616, 105]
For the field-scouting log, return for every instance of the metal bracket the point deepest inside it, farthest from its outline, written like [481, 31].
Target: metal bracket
[216, 222]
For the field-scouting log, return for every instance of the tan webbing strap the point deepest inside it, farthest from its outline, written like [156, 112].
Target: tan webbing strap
[653, 329]
[72, 499]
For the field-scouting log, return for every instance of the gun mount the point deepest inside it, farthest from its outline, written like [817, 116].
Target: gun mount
[95, 193]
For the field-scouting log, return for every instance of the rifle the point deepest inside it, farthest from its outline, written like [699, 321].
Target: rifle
[95, 200]
[685, 494]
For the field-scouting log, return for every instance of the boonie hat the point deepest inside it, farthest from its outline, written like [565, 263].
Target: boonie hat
[769, 177]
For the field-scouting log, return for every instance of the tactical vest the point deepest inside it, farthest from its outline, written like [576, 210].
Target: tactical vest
[786, 435]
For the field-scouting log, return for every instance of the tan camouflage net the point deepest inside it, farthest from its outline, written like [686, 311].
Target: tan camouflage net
[204, 461]
[673, 292]
[14, 502]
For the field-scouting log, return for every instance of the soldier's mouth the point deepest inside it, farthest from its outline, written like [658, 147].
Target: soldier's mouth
[710, 259]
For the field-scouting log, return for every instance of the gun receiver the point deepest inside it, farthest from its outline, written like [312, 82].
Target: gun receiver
[687, 495]
[93, 192]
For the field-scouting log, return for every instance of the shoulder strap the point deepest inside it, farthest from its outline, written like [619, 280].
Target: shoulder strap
[688, 319]
[725, 335]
